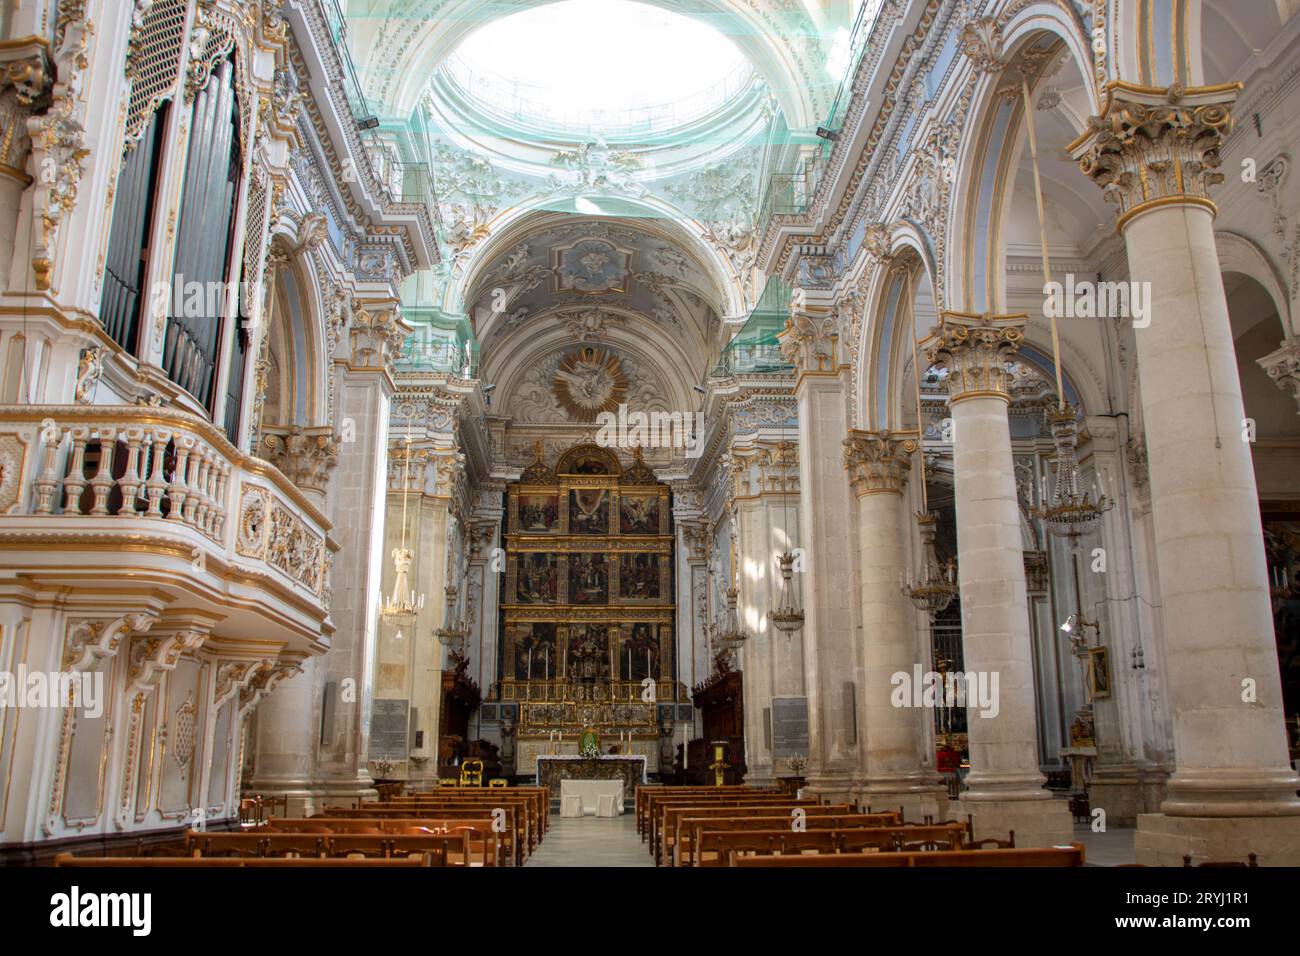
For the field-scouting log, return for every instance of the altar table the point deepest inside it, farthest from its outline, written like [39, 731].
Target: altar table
[590, 791]
[553, 769]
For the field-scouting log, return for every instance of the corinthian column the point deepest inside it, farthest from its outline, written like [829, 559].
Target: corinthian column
[810, 342]
[1156, 152]
[893, 764]
[1005, 785]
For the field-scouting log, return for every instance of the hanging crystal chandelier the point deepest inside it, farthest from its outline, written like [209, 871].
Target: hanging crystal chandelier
[1070, 510]
[936, 585]
[404, 603]
[787, 617]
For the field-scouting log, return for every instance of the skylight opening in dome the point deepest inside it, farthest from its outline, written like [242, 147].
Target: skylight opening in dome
[600, 66]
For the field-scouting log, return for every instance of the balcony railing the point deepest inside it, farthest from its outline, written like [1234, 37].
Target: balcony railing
[165, 474]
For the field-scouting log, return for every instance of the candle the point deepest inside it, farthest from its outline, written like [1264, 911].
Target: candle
[629, 663]
[647, 663]
[530, 663]
[548, 663]
[686, 744]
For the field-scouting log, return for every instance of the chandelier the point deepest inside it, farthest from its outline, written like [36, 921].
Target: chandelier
[455, 629]
[787, 616]
[1070, 510]
[727, 636]
[936, 585]
[404, 603]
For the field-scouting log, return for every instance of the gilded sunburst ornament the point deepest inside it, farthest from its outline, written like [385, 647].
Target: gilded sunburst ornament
[589, 381]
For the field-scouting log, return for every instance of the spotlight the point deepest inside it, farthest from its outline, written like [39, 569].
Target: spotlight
[1070, 624]
[488, 388]
[827, 134]
[368, 122]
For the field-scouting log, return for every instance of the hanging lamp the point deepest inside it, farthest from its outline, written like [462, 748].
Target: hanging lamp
[404, 603]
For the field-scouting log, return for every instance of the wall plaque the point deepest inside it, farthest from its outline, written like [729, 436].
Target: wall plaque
[789, 726]
[388, 729]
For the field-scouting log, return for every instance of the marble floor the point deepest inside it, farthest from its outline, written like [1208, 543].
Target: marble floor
[592, 841]
[1111, 848]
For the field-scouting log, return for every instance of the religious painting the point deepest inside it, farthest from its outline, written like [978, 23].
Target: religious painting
[638, 577]
[589, 511]
[539, 513]
[1099, 672]
[588, 652]
[535, 657]
[639, 657]
[588, 578]
[537, 578]
[638, 514]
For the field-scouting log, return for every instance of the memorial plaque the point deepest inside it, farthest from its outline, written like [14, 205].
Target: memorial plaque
[389, 729]
[789, 726]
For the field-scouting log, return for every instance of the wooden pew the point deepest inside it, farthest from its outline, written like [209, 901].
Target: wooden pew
[485, 847]
[525, 810]
[514, 834]
[671, 835]
[829, 821]
[715, 846]
[1072, 855]
[645, 792]
[188, 862]
[448, 849]
[652, 797]
[660, 806]
[537, 800]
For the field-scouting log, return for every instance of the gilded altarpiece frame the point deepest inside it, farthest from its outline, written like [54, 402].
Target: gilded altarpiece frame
[600, 539]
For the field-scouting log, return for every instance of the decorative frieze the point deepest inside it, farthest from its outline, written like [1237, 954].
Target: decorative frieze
[1154, 146]
[977, 352]
[878, 461]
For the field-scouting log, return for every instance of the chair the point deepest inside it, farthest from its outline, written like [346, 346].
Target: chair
[498, 782]
[605, 805]
[571, 806]
[448, 782]
[471, 773]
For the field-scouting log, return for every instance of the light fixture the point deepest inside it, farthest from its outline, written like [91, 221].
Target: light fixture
[935, 585]
[455, 629]
[368, 122]
[701, 389]
[787, 616]
[404, 603]
[829, 135]
[726, 636]
[1071, 510]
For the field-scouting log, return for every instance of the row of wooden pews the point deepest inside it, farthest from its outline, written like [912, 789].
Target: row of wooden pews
[441, 828]
[742, 826]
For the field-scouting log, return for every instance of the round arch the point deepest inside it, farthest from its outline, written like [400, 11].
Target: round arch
[989, 152]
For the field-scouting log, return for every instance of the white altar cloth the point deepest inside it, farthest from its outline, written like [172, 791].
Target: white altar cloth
[590, 791]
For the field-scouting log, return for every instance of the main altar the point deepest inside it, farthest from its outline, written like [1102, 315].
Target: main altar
[588, 618]
[629, 769]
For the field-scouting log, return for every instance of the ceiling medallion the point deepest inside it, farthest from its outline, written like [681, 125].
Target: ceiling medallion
[589, 381]
[592, 267]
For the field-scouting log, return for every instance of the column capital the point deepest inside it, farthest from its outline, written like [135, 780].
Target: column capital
[975, 350]
[1283, 366]
[809, 341]
[306, 456]
[377, 332]
[878, 461]
[1155, 146]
